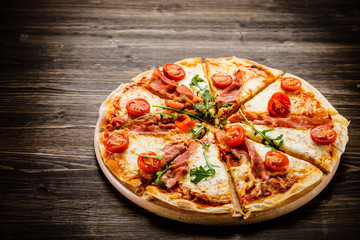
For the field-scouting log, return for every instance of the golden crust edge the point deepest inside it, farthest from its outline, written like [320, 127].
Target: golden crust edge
[187, 205]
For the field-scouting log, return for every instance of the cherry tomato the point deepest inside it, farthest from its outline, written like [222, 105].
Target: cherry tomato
[138, 107]
[323, 134]
[290, 84]
[184, 122]
[116, 142]
[279, 104]
[221, 80]
[149, 165]
[173, 71]
[174, 104]
[234, 136]
[276, 161]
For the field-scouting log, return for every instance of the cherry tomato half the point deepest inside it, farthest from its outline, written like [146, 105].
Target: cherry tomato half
[174, 104]
[276, 161]
[323, 134]
[279, 104]
[147, 164]
[138, 107]
[116, 142]
[290, 84]
[173, 71]
[184, 122]
[221, 80]
[234, 136]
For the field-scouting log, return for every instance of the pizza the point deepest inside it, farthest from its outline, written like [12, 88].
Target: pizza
[224, 137]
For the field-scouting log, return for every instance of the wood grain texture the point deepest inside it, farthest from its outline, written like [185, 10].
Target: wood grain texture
[60, 59]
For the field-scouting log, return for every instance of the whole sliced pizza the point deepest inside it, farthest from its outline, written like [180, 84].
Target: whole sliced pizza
[227, 137]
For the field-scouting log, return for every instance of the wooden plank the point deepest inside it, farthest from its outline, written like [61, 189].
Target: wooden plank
[60, 59]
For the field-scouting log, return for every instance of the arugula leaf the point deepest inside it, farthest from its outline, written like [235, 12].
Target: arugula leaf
[199, 106]
[226, 105]
[223, 122]
[159, 175]
[201, 172]
[149, 156]
[195, 82]
[199, 132]
[204, 145]
[169, 114]
[206, 96]
[183, 111]
[265, 139]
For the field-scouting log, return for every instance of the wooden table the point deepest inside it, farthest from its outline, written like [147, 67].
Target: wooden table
[60, 59]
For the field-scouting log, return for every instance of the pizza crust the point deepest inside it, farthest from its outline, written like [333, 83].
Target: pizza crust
[175, 200]
[341, 128]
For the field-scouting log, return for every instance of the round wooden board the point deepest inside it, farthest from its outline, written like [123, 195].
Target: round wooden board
[170, 212]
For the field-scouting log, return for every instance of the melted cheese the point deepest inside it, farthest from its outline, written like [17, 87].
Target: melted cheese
[216, 187]
[297, 142]
[138, 144]
[192, 67]
[140, 93]
[122, 96]
[303, 102]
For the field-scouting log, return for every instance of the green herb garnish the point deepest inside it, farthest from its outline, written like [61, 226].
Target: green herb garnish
[201, 172]
[149, 156]
[159, 175]
[199, 132]
[182, 111]
[204, 145]
[227, 105]
[206, 96]
[269, 142]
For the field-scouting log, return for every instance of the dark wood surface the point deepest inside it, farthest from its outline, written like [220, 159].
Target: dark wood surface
[60, 59]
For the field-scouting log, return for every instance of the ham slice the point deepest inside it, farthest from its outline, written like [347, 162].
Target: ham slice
[161, 84]
[232, 92]
[246, 149]
[258, 168]
[146, 125]
[167, 88]
[236, 158]
[179, 168]
[172, 150]
[292, 121]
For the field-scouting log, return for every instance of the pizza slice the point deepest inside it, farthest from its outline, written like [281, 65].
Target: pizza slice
[263, 178]
[134, 108]
[196, 181]
[321, 145]
[127, 102]
[180, 81]
[289, 100]
[135, 158]
[234, 81]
